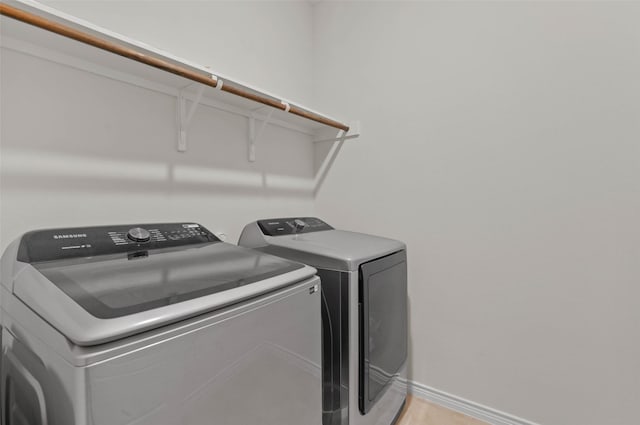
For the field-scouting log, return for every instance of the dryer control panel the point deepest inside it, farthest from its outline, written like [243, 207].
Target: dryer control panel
[60, 244]
[292, 225]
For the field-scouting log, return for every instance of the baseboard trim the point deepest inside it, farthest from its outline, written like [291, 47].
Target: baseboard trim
[470, 408]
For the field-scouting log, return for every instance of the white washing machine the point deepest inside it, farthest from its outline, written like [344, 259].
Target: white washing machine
[158, 324]
[364, 315]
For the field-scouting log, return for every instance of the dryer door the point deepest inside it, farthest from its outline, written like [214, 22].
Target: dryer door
[383, 325]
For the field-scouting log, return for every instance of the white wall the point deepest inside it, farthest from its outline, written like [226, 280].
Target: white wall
[501, 142]
[80, 149]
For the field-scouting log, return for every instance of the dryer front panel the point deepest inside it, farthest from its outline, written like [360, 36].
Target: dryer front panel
[383, 325]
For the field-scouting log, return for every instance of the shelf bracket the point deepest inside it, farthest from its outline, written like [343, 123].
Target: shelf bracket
[323, 171]
[337, 141]
[255, 136]
[354, 133]
[185, 115]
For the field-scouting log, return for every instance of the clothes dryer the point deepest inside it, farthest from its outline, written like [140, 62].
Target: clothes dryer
[364, 313]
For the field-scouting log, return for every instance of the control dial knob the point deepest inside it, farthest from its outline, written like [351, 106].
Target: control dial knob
[299, 225]
[138, 234]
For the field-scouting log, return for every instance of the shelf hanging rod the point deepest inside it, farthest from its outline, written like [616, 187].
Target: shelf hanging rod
[133, 54]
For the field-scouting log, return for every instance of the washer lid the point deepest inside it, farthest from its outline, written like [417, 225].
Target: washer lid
[96, 299]
[120, 286]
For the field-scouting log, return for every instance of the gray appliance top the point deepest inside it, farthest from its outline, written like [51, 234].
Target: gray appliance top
[103, 283]
[316, 244]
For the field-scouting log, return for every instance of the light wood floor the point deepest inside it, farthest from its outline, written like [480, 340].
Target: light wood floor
[421, 412]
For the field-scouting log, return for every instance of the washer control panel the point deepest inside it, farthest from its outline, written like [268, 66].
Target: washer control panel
[292, 225]
[58, 244]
